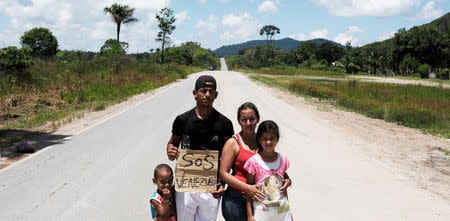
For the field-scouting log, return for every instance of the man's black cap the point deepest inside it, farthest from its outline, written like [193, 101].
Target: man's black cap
[205, 81]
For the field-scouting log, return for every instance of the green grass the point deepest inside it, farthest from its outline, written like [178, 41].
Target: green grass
[286, 70]
[57, 91]
[416, 106]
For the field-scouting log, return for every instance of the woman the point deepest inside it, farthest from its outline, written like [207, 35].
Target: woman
[236, 151]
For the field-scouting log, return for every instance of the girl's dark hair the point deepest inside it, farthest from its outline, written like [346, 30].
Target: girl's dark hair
[266, 126]
[245, 106]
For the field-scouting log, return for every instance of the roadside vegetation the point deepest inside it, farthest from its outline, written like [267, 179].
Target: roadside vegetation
[420, 53]
[42, 87]
[416, 106]
[411, 54]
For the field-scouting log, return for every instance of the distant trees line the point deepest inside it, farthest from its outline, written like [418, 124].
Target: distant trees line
[40, 45]
[419, 51]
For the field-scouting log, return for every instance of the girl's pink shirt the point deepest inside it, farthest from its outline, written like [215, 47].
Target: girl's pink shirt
[253, 167]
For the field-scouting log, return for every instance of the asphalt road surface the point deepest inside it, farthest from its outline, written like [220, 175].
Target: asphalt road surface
[104, 172]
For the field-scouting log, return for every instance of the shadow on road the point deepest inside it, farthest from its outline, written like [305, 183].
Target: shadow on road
[38, 140]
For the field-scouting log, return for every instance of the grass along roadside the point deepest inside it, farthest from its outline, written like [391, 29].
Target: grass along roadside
[290, 71]
[340, 74]
[60, 93]
[416, 106]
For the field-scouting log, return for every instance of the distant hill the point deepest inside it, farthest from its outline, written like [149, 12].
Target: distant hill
[287, 44]
[442, 24]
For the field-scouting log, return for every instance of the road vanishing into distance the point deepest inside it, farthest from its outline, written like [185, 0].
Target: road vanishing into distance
[105, 172]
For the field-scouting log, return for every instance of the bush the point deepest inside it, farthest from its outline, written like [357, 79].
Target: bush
[113, 48]
[319, 66]
[352, 68]
[424, 70]
[444, 74]
[41, 41]
[14, 60]
[409, 65]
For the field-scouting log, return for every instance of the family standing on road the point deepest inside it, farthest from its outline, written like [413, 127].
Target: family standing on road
[257, 185]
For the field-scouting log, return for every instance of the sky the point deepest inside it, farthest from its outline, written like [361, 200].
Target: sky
[83, 25]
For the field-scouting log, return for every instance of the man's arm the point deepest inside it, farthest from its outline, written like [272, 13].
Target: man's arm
[172, 147]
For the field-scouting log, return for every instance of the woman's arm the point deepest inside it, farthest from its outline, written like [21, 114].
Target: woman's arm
[229, 153]
[248, 199]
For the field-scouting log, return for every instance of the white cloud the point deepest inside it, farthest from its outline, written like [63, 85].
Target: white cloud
[80, 24]
[344, 37]
[140, 5]
[203, 1]
[239, 27]
[225, 1]
[353, 29]
[182, 17]
[386, 35]
[350, 8]
[268, 7]
[429, 11]
[207, 26]
[232, 20]
[177, 42]
[102, 30]
[319, 33]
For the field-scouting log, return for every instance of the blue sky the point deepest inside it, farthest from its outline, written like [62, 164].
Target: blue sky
[82, 24]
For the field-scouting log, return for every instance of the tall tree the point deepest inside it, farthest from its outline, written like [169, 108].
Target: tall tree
[329, 52]
[268, 31]
[307, 50]
[41, 40]
[166, 21]
[121, 14]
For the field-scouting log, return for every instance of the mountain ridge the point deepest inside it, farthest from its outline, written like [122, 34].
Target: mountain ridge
[287, 44]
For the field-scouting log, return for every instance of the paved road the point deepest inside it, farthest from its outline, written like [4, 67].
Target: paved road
[104, 173]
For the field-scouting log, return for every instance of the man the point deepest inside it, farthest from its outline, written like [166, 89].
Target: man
[201, 128]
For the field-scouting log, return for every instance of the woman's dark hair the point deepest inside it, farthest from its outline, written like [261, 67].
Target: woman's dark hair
[266, 126]
[245, 106]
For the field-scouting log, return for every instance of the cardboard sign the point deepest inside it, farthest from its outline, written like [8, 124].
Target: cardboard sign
[196, 170]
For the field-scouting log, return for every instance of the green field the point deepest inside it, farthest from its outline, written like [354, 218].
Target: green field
[422, 107]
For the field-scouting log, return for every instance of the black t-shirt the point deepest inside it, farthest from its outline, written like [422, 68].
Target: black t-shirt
[198, 134]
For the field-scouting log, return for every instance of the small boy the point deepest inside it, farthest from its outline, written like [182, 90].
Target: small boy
[163, 200]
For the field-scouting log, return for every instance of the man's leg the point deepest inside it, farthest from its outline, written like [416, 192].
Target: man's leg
[208, 207]
[186, 206]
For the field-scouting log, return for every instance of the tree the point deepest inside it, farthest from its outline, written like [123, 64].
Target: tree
[424, 70]
[374, 63]
[409, 65]
[121, 14]
[41, 41]
[307, 50]
[329, 52]
[427, 44]
[112, 47]
[166, 19]
[268, 31]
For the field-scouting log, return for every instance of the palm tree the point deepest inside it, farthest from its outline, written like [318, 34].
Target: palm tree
[121, 14]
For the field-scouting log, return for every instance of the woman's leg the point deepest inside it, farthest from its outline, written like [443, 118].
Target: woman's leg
[233, 206]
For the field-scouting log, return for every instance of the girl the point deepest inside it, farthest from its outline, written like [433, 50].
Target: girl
[268, 168]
